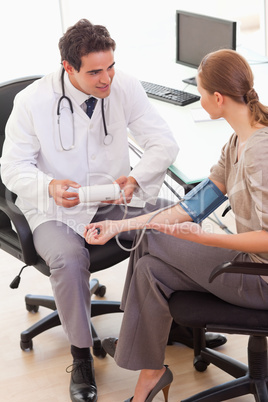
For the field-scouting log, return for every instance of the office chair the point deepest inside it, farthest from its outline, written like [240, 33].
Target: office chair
[204, 310]
[20, 245]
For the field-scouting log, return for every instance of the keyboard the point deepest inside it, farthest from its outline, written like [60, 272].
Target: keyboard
[170, 95]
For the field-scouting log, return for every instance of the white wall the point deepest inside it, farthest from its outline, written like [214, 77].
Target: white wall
[264, 24]
[144, 30]
[29, 32]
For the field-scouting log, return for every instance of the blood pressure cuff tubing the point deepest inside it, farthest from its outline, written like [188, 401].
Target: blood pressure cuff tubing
[202, 200]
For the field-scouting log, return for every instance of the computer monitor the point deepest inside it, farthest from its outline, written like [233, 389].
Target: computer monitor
[197, 35]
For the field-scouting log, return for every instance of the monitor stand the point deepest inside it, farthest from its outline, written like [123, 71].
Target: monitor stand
[191, 81]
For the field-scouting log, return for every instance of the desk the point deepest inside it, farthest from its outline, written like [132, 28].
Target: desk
[200, 142]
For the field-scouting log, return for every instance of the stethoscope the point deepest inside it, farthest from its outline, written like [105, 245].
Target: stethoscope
[108, 138]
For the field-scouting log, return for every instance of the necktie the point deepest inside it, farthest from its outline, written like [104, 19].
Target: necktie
[91, 102]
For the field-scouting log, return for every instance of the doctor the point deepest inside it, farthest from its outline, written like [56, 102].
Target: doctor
[53, 147]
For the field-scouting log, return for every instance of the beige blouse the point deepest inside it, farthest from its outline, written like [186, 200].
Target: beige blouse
[246, 182]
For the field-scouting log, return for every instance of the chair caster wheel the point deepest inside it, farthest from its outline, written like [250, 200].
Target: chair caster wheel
[100, 291]
[26, 345]
[200, 364]
[31, 308]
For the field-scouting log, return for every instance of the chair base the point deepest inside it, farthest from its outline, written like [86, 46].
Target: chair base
[251, 379]
[238, 387]
[98, 307]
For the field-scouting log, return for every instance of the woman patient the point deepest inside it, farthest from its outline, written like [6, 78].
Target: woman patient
[176, 254]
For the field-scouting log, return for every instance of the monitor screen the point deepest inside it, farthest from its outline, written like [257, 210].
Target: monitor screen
[197, 35]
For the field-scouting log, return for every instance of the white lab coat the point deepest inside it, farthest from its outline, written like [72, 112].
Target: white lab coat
[33, 156]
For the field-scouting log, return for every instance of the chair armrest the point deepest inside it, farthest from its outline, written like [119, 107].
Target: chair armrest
[22, 228]
[248, 268]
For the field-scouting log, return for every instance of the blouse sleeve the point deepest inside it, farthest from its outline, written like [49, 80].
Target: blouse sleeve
[217, 172]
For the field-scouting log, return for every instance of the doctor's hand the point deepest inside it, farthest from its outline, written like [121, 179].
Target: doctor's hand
[58, 190]
[101, 232]
[128, 184]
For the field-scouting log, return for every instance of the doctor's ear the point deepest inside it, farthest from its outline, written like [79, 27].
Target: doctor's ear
[67, 67]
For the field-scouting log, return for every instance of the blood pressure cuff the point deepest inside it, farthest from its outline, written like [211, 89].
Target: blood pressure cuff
[202, 200]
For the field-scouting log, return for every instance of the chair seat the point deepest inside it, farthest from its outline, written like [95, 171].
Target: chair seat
[102, 257]
[204, 310]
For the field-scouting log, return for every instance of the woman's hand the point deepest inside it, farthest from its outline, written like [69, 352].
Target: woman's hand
[101, 232]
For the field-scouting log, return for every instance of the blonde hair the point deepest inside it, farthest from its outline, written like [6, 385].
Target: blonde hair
[229, 73]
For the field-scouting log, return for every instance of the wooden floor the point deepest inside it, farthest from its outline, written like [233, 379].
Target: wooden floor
[40, 376]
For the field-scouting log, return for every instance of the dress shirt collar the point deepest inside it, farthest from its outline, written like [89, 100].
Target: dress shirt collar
[79, 96]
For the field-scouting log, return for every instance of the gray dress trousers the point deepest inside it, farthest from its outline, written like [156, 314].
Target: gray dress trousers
[68, 257]
[161, 265]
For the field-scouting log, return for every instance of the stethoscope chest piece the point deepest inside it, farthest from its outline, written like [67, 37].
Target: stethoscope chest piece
[108, 139]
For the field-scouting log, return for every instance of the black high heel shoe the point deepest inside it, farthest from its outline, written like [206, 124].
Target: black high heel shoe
[162, 385]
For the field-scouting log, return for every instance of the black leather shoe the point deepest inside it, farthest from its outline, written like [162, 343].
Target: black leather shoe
[82, 386]
[214, 340]
[184, 335]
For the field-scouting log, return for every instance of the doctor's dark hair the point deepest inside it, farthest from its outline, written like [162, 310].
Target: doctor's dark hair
[227, 72]
[84, 38]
